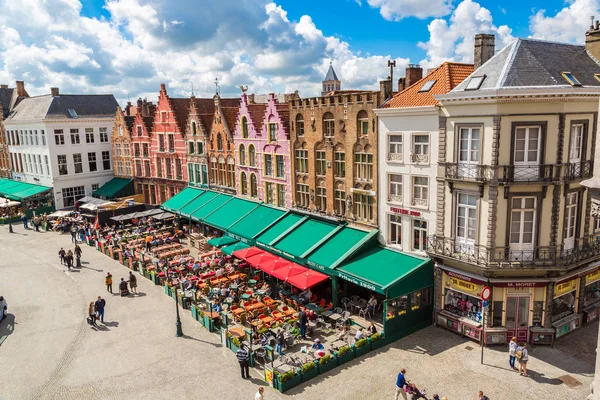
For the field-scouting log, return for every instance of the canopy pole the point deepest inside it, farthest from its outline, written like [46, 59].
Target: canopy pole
[334, 290]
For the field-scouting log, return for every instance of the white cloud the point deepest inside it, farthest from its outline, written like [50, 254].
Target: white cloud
[567, 25]
[395, 10]
[453, 40]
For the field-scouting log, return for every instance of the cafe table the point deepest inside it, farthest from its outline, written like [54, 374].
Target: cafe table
[245, 296]
[212, 314]
[237, 332]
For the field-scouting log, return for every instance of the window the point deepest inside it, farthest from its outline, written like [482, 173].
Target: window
[321, 199]
[526, 153]
[395, 229]
[118, 149]
[171, 139]
[199, 178]
[363, 207]
[103, 132]
[421, 148]
[363, 164]
[136, 149]
[420, 191]
[339, 202]
[466, 219]
[302, 195]
[163, 116]
[576, 141]
[339, 164]
[219, 143]
[302, 161]
[120, 130]
[395, 188]
[106, 160]
[268, 165]
[363, 123]
[159, 168]
[145, 150]
[43, 138]
[222, 173]
[281, 191]
[29, 164]
[244, 127]
[280, 166]
[39, 162]
[36, 138]
[427, 86]
[178, 169]
[89, 135]
[146, 168]
[269, 193]
[47, 162]
[71, 195]
[419, 235]
[251, 156]
[168, 168]
[243, 183]
[126, 150]
[191, 148]
[214, 171]
[72, 113]
[328, 125]
[299, 125]
[78, 163]
[522, 223]
[190, 172]
[571, 79]
[62, 165]
[95, 186]
[138, 168]
[253, 186]
[395, 148]
[231, 174]
[59, 137]
[161, 142]
[242, 153]
[475, 82]
[570, 220]
[139, 130]
[320, 162]
[272, 132]
[200, 148]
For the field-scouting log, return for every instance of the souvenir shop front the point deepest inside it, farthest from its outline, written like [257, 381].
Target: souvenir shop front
[591, 295]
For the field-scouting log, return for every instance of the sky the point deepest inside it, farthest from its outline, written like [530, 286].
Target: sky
[129, 47]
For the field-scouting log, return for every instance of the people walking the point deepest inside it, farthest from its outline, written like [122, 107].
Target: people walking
[78, 252]
[74, 234]
[512, 352]
[37, 221]
[24, 220]
[132, 282]
[69, 259]
[91, 314]
[99, 306]
[303, 320]
[148, 243]
[108, 282]
[260, 394]
[45, 220]
[61, 255]
[280, 340]
[481, 396]
[523, 357]
[243, 356]
[400, 385]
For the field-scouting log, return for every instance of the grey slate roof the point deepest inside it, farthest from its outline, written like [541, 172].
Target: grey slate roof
[48, 107]
[331, 76]
[6, 96]
[536, 63]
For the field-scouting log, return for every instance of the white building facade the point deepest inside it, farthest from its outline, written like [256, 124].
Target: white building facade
[62, 141]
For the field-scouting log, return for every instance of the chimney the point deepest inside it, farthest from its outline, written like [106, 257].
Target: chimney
[401, 84]
[592, 40]
[54, 91]
[21, 89]
[385, 89]
[251, 98]
[128, 109]
[414, 72]
[3, 86]
[484, 49]
[140, 103]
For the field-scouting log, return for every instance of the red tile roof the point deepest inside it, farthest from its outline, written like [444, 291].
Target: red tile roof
[447, 76]
[180, 107]
[206, 111]
[257, 115]
[230, 109]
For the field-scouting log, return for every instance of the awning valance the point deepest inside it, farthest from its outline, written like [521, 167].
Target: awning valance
[116, 187]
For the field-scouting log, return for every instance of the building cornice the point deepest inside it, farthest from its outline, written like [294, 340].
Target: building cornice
[404, 111]
[520, 95]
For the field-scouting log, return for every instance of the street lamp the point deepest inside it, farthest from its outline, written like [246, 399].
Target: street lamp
[178, 323]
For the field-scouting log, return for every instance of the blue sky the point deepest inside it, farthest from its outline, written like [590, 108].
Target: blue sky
[129, 47]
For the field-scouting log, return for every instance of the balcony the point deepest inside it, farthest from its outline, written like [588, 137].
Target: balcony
[472, 172]
[419, 202]
[420, 158]
[395, 198]
[396, 157]
[558, 257]
[579, 170]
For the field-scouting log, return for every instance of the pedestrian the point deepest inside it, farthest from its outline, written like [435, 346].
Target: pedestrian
[78, 252]
[99, 306]
[435, 397]
[302, 319]
[37, 221]
[242, 356]
[45, 219]
[61, 255]
[400, 385]
[74, 234]
[91, 314]
[69, 259]
[148, 243]
[512, 352]
[108, 282]
[280, 342]
[523, 357]
[260, 394]
[132, 282]
[24, 220]
[481, 396]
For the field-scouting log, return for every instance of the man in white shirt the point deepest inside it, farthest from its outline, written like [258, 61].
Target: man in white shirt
[359, 334]
[260, 394]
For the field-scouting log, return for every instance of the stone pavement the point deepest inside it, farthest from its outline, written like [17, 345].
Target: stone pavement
[54, 354]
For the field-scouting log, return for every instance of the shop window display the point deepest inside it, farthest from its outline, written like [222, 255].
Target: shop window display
[462, 305]
[591, 294]
[563, 306]
[497, 313]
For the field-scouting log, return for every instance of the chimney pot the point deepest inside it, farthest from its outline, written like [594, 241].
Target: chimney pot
[139, 103]
[483, 49]
[385, 89]
[597, 24]
[21, 89]
[54, 91]
[414, 72]
[163, 87]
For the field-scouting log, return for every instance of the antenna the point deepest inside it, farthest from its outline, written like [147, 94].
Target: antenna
[592, 22]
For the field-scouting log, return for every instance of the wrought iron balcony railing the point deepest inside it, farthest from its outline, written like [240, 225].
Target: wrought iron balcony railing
[579, 170]
[474, 172]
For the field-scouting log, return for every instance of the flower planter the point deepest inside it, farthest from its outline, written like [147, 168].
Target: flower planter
[359, 351]
[194, 310]
[155, 278]
[378, 343]
[344, 358]
[308, 375]
[201, 318]
[167, 290]
[209, 323]
[290, 383]
[328, 366]
[233, 347]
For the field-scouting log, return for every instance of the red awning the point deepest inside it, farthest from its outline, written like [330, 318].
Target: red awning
[272, 264]
[307, 279]
[249, 252]
[286, 271]
[257, 260]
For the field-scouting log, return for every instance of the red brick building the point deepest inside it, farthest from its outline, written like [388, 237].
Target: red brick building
[9, 98]
[221, 150]
[141, 147]
[198, 128]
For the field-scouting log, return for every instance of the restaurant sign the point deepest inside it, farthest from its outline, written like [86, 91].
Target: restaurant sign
[404, 211]
[317, 266]
[240, 238]
[565, 287]
[592, 277]
[463, 286]
[359, 282]
[519, 284]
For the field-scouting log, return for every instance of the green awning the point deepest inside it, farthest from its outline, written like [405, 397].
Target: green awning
[19, 191]
[230, 213]
[304, 236]
[273, 232]
[181, 199]
[196, 204]
[234, 247]
[388, 272]
[116, 187]
[210, 206]
[337, 247]
[222, 241]
[255, 222]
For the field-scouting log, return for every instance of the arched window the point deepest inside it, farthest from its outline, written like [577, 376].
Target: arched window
[328, 125]
[362, 123]
[222, 172]
[252, 155]
[244, 183]
[253, 186]
[219, 142]
[194, 128]
[244, 126]
[299, 125]
[242, 154]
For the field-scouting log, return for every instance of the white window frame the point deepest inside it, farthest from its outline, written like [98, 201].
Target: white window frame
[302, 195]
[321, 198]
[570, 221]
[395, 188]
[422, 235]
[420, 192]
[394, 223]
[395, 149]
[575, 152]
[80, 163]
[467, 240]
[363, 168]
[301, 156]
[321, 162]
[420, 150]
[103, 133]
[339, 202]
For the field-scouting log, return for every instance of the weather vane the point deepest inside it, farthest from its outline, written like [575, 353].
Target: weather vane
[217, 87]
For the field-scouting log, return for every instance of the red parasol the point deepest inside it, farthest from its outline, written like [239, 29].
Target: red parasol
[246, 253]
[286, 271]
[257, 260]
[272, 264]
[307, 279]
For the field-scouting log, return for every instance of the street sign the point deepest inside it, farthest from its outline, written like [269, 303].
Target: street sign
[486, 293]
[485, 303]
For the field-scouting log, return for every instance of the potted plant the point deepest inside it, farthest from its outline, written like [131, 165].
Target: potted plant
[326, 363]
[361, 347]
[201, 317]
[376, 340]
[288, 380]
[308, 371]
[235, 345]
[344, 354]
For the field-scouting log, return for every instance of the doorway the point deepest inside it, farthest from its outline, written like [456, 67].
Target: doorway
[517, 318]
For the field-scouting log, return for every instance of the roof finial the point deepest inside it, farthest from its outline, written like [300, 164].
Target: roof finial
[192, 89]
[217, 87]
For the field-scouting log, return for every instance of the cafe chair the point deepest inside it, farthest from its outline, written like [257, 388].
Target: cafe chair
[345, 302]
[364, 312]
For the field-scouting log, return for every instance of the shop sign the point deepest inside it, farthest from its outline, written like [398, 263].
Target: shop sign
[316, 266]
[520, 284]
[358, 282]
[404, 211]
[464, 277]
[269, 375]
[565, 287]
[465, 287]
[592, 277]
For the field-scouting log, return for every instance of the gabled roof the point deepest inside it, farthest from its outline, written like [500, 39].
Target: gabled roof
[535, 63]
[205, 108]
[33, 108]
[230, 108]
[57, 107]
[331, 75]
[180, 108]
[6, 96]
[257, 114]
[446, 77]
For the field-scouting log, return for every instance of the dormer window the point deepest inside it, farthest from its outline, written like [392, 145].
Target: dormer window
[597, 76]
[571, 79]
[72, 113]
[475, 82]
[427, 86]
